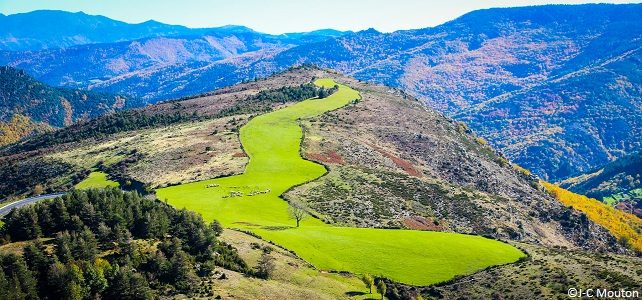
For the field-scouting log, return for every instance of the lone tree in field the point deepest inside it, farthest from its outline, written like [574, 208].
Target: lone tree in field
[369, 281]
[297, 212]
[381, 288]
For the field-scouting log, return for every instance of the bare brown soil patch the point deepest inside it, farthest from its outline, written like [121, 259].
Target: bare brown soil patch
[239, 154]
[328, 157]
[421, 223]
[405, 165]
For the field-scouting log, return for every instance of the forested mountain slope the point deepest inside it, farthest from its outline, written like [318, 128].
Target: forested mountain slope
[27, 104]
[616, 183]
[111, 244]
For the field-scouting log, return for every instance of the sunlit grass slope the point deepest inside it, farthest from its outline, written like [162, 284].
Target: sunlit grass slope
[96, 179]
[251, 202]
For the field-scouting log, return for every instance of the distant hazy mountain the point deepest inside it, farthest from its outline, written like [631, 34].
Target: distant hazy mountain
[27, 104]
[557, 87]
[48, 29]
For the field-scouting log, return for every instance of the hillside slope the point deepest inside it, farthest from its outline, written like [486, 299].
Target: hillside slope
[625, 226]
[392, 163]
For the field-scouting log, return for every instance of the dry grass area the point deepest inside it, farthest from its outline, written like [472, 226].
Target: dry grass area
[169, 155]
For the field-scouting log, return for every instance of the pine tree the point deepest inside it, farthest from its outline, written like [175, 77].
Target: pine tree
[182, 270]
[4, 286]
[94, 278]
[63, 247]
[76, 289]
[59, 214]
[57, 280]
[265, 266]
[104, 236]
[38, 262]
[85, 245]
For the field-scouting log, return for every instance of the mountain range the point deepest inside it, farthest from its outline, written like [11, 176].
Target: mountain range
[51, 29]
[555, 88]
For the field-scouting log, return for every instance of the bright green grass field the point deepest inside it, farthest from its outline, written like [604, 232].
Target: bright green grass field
[272, 142]
[619, 197]
[96, 180]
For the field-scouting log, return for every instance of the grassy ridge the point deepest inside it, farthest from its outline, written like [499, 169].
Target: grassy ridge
[251, 201]
[624, 226]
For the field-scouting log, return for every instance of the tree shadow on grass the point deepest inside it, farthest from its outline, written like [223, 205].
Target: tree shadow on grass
[276, 228]
[247, 224]
[355, 293]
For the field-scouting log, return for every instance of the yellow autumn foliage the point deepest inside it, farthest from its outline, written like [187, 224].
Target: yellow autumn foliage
[622, 225]
[18, 127]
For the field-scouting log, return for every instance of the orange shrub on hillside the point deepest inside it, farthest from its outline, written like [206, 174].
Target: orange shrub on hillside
[624, 226]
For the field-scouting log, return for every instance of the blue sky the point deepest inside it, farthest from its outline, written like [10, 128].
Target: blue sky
[278, 16]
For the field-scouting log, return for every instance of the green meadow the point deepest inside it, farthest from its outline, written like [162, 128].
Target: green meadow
[251, 201]
[96, 179]
[626, 196]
